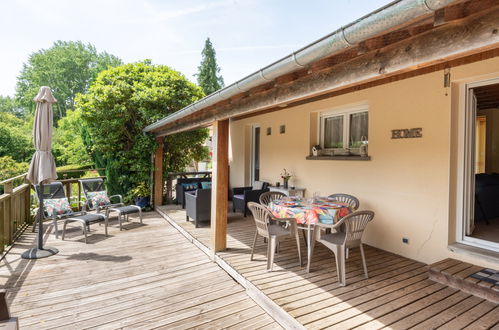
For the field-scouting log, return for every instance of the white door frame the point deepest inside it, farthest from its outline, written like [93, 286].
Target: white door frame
[466, 164]
[252, 152]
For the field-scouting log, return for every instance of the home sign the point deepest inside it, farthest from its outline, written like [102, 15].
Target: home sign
[407, 133]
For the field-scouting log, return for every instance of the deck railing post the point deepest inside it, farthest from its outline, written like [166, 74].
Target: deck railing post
[8, 189]
[220, 189]
[2, 226]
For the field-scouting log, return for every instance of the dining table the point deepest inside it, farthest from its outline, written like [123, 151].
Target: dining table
[308, 214]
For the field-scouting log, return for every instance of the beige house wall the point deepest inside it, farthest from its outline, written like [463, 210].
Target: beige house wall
[407, 181]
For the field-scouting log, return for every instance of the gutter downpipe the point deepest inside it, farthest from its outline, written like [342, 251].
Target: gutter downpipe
[368, 26]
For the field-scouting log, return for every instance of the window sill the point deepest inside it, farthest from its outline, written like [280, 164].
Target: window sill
[351, 157]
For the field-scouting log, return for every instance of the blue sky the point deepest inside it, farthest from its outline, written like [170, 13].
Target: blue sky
[247, 34]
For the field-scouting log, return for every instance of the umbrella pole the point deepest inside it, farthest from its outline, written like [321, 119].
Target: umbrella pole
[40, 218]
[39, 251]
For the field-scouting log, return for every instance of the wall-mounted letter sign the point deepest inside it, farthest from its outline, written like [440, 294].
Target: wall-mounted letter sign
[408, 133]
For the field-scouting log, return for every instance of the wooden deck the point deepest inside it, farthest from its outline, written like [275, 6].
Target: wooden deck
[397, 295]
[145, 277]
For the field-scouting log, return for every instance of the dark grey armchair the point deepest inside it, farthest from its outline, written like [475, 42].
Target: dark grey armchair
[188, 185]
[198, 205]
[242, 195]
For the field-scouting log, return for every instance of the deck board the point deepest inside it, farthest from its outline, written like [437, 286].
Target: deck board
[398, 293]
[145, 276]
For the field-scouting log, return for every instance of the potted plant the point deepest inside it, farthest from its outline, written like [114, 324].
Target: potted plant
[285, 178]
[141, 195]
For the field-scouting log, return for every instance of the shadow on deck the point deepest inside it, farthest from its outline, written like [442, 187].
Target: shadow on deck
[138, 278]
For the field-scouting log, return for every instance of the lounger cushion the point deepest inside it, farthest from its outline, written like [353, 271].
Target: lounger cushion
[90, 217]
[57, 207]
[127, 209]
[99, 198]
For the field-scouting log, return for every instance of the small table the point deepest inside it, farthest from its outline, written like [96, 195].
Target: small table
[298, 192]
[308, 212]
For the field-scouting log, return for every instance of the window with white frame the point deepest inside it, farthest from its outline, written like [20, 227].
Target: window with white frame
[345, 128]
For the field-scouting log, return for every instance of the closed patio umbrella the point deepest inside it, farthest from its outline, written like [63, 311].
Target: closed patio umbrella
[42, 167]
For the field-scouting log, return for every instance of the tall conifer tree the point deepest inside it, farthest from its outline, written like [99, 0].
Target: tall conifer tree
[208, 72]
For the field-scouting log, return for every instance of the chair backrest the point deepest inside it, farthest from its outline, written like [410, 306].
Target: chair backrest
[54, 190]
[95, 193]
[355, 223]
[92, 185]
[271, 196]
[261, 216]
[345, 198]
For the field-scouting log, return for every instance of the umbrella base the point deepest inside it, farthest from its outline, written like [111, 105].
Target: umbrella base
[36, 253]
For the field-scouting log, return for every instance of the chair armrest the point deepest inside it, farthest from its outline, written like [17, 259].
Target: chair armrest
[119, 196]
[190, 198]
[240, 190]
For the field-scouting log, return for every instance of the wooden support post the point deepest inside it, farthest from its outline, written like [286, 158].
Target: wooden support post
[219, 186]
[8, 188]
[158, 173]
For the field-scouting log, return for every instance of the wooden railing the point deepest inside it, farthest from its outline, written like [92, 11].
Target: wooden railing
[172, 176]
[15, 209]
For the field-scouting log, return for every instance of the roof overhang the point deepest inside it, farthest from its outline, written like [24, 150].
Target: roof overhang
[367, 52]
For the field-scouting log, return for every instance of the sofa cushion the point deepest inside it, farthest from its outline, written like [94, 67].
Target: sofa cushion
[241, 197]
[258, 185]
[205, 185]
[190, 186]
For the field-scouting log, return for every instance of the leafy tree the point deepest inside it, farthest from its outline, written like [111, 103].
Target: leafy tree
[68, 67]
[68, 145]
[10, 168]
[119, 104]
[208, 71]
[10, 105]
[15, 138]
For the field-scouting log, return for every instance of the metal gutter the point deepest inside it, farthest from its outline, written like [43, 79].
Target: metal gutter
[368, 26]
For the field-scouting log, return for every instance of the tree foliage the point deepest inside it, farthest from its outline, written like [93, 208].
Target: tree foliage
[10, 168]
[68, 67]
[208, 72]
[119, 104]
[15, 138]
[68, 141]
[10, 105]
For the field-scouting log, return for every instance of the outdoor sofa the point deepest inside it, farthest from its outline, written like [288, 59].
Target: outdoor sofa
[189, 185]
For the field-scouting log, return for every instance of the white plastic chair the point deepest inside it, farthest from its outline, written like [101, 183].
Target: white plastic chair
[272, 231]
[346, 234]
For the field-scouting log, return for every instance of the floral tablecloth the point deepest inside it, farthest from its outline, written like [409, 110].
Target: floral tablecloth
[321, 210]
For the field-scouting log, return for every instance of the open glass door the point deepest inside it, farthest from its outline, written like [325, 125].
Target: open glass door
[480, 226]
